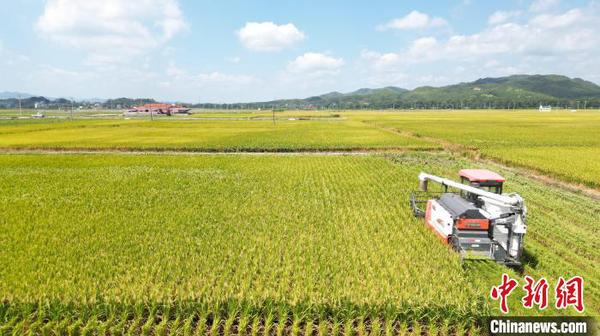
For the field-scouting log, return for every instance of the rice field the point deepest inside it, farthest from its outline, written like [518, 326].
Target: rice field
[202, 135]
[140, 244]
[562, 144]
[152, 242]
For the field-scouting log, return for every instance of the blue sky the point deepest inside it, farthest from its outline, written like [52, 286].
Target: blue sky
[230, 51]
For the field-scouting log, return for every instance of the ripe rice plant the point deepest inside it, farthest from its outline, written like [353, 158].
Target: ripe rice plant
[231, 244]
[202, 135]
[545, 142]
[109, 236]
[561, 144]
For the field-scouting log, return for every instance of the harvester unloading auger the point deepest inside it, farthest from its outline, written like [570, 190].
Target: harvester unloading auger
[478, 220]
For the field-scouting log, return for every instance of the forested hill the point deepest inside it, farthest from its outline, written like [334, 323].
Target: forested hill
[518, 91]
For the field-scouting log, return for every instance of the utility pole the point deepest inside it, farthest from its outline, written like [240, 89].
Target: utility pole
[273, 112]
[71, 108]
[20, 108]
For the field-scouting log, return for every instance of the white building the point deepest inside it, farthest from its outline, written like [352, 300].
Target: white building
[546, 108]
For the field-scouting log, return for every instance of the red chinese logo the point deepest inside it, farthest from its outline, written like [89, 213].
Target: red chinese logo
[502, 291]
[570, 293]
[537, 293]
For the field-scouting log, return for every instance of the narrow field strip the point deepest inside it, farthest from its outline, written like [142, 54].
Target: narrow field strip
[521, 170]
[185, 151]
[202, 136]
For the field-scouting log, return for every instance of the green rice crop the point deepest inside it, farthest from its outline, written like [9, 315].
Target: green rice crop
[202, 135]
[188, 244]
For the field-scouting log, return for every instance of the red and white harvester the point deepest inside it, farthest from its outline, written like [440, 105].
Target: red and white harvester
[478, 220]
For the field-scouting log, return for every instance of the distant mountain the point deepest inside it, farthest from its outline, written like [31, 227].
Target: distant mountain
[332, 95]
[390, 90]
[30, 102]
[64, 103]
[550, 85]
[92, 100]
[15, 95]
[517, 91]
[127, 102]
[386, 95]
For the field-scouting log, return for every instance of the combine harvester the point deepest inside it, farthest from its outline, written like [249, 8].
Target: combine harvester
[478, 221]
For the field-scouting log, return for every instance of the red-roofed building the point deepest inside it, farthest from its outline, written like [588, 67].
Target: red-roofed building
[158, 108]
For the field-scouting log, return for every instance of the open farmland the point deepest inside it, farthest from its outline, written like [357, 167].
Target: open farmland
[199, 243]
[562, 144]
[547, 142]
[145, 242]
[230, 135]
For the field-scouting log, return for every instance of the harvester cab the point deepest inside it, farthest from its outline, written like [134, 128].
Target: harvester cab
[477, 219]
[482, 179]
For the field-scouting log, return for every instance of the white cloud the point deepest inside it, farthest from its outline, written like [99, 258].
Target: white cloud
[315, 64]
[502, 16]
[268, 36]
[565, 20]
[543, 5]
[414, 20]
[423, 47]
[547, 43]
[572, 31]
[111, 30]
[309, 74]
[382, 69]
[381, 61]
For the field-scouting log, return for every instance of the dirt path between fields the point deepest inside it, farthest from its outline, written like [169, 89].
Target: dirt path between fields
[475, 155]
[275, 152]
[548, 180]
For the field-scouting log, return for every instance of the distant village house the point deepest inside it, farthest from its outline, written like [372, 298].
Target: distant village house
[168, 109]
